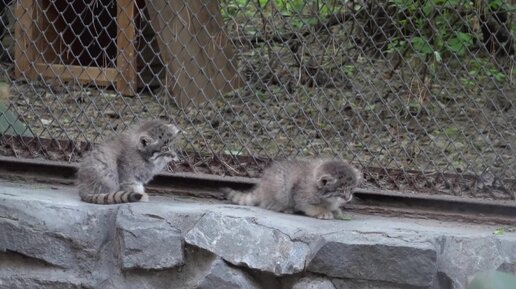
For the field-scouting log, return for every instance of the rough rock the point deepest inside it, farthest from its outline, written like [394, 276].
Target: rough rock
[377, 258]
[221, 276]
[368, 284]
[50, 239]
[241, 241]
[313, 283]
[65, 236]
[462, 257]
[147, 242]
[30, 282]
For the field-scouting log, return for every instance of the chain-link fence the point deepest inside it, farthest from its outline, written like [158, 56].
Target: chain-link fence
[418, 93]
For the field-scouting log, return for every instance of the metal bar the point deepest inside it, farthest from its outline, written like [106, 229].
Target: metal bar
[201, 185]
[449, 204]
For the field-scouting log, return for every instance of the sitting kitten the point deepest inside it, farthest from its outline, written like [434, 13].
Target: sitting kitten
[116, 171]
[316, 188]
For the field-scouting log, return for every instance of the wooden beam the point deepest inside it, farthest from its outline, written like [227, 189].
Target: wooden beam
[126, 82]
[84, 74]
[25, 31]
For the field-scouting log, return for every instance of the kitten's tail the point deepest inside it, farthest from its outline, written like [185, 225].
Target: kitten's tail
[112, 198]
[241, 198]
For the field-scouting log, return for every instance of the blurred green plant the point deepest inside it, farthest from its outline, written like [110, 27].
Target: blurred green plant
[435, 31]
[299, 13]
[9, 121]
[493, 280]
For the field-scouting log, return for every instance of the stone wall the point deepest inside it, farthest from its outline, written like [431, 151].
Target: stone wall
[49, 239]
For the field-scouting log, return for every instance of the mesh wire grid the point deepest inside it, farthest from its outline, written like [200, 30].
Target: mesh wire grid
[420, 94]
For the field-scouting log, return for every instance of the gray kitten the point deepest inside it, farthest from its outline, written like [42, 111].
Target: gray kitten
[116, 170]
[316, 188]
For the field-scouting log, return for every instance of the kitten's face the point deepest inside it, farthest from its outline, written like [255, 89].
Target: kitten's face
[157, 141]
[336, 179]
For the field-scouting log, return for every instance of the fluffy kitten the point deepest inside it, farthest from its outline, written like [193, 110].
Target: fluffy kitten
[116, 171]
[316, 188]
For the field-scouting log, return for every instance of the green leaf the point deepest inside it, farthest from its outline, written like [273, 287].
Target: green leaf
[233, 152]
[459, 43]
[451, 131]
[261, 2]
[421, 45]
[349, 70]
[499, 231]
[437, 56]
[427, 8]
[345, 218]
[370, 107]
[496, 4]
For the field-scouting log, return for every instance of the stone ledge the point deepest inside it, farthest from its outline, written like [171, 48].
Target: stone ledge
[93, 245]
[147, 241]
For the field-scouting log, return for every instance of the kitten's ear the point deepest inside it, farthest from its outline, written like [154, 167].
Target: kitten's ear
[325, 180]
[144, 141]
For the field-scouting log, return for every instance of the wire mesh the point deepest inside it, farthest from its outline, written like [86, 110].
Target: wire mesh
[418, 93]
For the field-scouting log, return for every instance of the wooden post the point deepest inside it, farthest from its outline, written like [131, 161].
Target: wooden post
[198, 55]
[25, 31]
[126, 82]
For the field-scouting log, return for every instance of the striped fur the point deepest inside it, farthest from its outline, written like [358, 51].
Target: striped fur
[112, 198]
[117, 170]
[315, 187]
[240, 198]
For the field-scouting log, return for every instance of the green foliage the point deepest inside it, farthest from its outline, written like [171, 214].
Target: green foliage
[349, 70]
[480, 69]
[433, 27]
[299, 13]
[434, 30]
[499, 231]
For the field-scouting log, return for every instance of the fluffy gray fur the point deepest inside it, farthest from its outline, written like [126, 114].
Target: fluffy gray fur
[116, 170]
[316, 188]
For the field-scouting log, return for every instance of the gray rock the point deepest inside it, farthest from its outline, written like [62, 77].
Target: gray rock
[221, 276]
[49, 239]
[64, 235]
[460, 258]
[377, 258]
[27, 282]
[147, 242]
[313, 283]
[368, 284]
[241, 241]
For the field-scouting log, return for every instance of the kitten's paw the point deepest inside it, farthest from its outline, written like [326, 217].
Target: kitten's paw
[288, 211]
[139, 188]
[325, 215]
[338, 214]
[145, 198]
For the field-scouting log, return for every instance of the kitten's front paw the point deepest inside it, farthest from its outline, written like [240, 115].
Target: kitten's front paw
[145, 198]
[338, 214]
[325, 216]
[288, 211]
